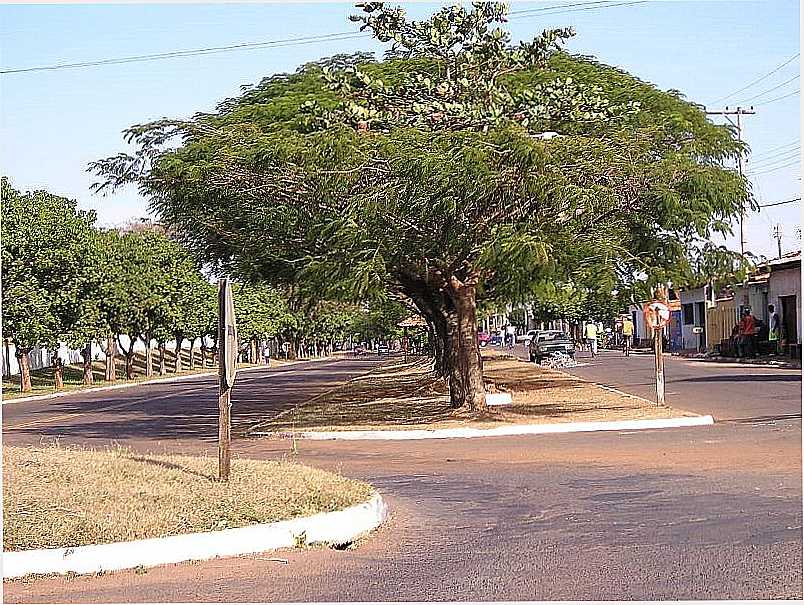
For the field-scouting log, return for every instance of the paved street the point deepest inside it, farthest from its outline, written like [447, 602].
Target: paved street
[695, 513]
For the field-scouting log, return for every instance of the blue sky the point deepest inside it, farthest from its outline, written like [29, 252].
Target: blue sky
[53, 123]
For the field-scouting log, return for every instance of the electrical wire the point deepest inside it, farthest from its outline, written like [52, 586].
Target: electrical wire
[764, 92]
[790, 94]
[759, 79]
[559, 9]
[784, 156]
[778, 147]
[796, 199]
[193, 52]
[773, 169]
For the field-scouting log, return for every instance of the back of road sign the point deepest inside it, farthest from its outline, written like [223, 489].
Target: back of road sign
[657, 314]
[227, 336]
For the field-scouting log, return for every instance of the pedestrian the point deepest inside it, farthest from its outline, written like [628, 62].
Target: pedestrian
[510, 335]
[746, 343]
[774, 330]
[628, 335]
[590, 333]
[266, 355]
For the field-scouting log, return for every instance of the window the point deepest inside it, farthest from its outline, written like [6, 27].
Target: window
[688, 312]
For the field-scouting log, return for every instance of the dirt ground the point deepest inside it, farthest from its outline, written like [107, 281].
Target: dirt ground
[406, 394]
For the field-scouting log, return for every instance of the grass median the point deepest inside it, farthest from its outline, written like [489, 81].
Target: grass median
[406, 394]
[60, 497]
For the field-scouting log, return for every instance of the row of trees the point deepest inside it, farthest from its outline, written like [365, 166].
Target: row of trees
[460, 170]
[64, 280]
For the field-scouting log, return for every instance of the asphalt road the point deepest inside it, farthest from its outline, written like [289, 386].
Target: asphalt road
[695, 513]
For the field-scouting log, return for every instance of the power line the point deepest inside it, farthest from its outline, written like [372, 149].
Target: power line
[797, 163]
[528, 11]
[543, 11]
[559, 9]
[759, 79]
[772, 149]
[785, 155]
[790, 94]
[774, 163]
[797, 199]
[763, 93]
[189, 53]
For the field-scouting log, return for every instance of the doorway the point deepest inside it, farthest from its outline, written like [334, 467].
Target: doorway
[789, 320]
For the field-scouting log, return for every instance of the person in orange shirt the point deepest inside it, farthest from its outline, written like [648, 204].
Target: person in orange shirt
[748, 326]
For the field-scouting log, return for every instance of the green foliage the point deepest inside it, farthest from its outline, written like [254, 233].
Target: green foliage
[261, 311]
[49, 264]
[439, 163]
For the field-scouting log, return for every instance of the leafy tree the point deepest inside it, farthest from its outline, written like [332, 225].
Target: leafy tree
[261, 312]
[436, 175]
[47, 247]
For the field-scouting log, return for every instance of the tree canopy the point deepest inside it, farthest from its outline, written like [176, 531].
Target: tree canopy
[460, 168]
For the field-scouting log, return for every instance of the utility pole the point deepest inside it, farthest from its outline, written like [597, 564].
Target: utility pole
[777, 235]
[738, 113]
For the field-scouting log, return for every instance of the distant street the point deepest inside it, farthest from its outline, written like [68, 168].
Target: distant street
[697, 513]
[183, 412]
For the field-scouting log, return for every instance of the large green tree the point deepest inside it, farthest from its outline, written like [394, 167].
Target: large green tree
[461, 168]
[48, 264]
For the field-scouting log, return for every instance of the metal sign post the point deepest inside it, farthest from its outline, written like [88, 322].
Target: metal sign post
[227, 368]
[657, 314]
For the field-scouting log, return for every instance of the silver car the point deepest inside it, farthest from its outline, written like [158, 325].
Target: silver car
[550, 342]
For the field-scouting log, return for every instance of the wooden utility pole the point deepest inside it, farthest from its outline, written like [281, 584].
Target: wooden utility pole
[227, 368]
[777, 235]
[738, 112]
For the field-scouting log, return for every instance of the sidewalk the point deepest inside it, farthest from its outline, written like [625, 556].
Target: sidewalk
[774, 361]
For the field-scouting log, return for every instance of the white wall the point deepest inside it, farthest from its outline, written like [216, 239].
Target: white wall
[786, 282]
[689, 340]
[42, 358]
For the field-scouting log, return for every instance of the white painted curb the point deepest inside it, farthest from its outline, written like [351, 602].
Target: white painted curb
[338, 527]
[499, 399]
[502, 431]
[128, 385]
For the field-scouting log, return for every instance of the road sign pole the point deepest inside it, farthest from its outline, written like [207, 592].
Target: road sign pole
[227, 348]
[224, 433]
[657, 335]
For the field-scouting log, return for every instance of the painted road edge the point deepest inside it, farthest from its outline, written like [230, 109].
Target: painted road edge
[339, 527]
[502, 431]
[129, 385]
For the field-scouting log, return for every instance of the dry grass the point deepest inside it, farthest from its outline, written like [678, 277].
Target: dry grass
[60, 497]
[408, 395]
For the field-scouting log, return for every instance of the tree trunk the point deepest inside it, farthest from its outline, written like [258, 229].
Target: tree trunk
[252, 350]
[467, 351]
[87, 355]
[192, 353]
[111, 353]
[177, 365]
[149, 355]
[58, 371]
[162, 363]
[130, 363]
[24, 361]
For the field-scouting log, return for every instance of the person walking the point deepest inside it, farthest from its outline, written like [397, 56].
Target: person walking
[590, 333]
[774, 330]
[510, 336]
[628, 335]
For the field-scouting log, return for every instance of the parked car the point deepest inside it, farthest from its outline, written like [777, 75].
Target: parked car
[382, 350]
[495, 340]
[483, 339]
[527, 336]
[550, 342]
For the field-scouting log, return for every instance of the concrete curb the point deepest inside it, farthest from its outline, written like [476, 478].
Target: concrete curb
[502, 431]
[337, 527]
[129, 385]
